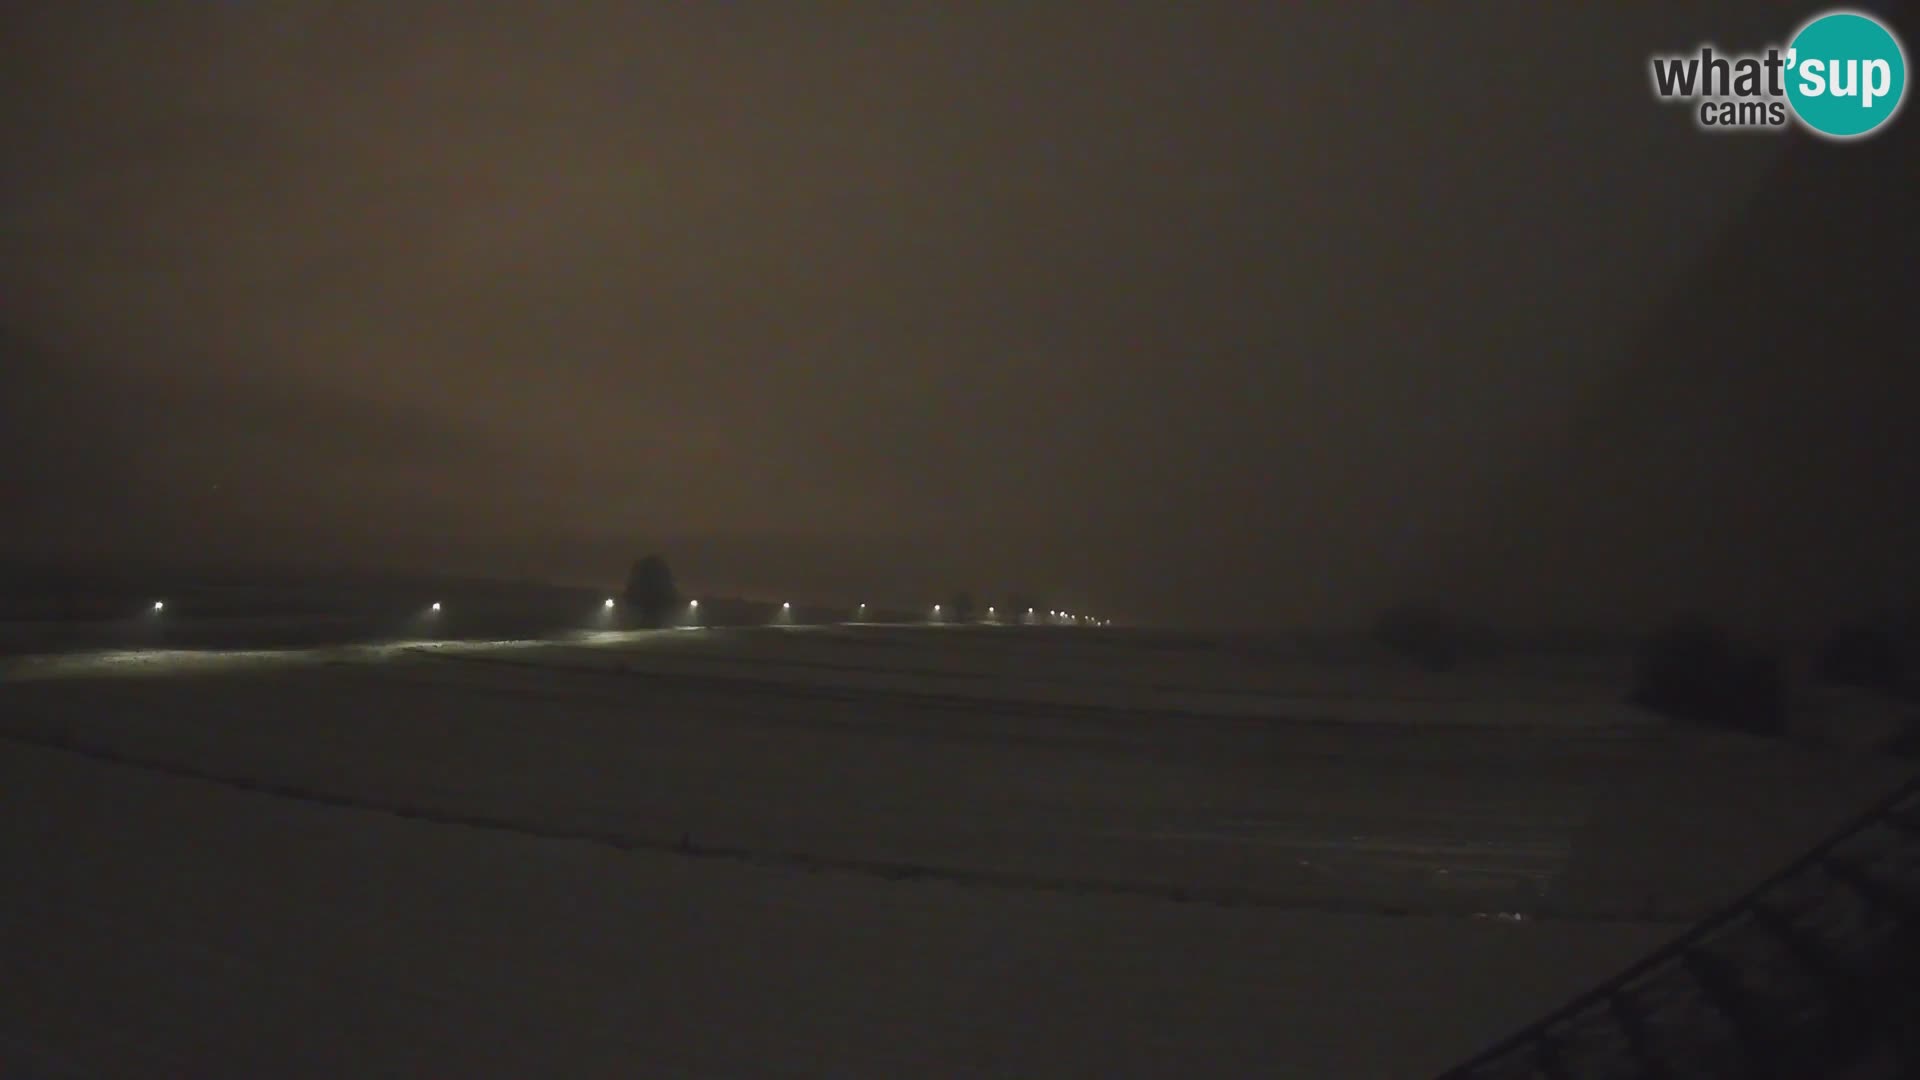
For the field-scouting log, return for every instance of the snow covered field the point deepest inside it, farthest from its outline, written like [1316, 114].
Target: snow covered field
[874, 851]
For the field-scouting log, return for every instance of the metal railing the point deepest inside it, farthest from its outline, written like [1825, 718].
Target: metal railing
[1813, 973]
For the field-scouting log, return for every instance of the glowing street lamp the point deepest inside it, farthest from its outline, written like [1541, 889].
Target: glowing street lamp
[435, 607]
[609, 604]
[159, 605]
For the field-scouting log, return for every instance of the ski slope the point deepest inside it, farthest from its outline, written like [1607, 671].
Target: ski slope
[858, 851]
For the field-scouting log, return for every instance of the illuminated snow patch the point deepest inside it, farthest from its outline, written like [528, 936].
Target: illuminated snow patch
[126, 662]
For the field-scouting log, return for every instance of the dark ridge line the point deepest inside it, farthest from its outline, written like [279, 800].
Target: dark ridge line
[1275, 694]
[1128, 742]
[1280, 695]
[1079, 744]
[1049, 709]
[874, 869]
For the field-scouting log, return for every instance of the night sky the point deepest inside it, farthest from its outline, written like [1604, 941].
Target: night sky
[1199, 313]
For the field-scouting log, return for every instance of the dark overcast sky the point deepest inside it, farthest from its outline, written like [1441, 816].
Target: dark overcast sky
[1197, 312]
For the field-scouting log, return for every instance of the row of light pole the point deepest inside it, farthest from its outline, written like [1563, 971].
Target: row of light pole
[1052, 617]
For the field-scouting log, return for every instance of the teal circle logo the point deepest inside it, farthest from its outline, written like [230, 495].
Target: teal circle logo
[1846, 74]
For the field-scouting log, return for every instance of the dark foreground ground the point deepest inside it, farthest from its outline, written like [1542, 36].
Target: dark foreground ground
[845, 851]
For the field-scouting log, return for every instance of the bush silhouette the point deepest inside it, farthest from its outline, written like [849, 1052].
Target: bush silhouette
[651, 597]
[1868, 656]
[1694, 671]
[1431, 639]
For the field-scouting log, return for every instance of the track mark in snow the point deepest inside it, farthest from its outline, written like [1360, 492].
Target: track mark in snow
[685, 846]
[1054, 710]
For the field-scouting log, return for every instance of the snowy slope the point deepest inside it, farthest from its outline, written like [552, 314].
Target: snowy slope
[788, 852]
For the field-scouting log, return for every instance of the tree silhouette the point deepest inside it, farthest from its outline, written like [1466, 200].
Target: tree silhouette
[1696, 671]
[960, 608]
[1865, 654]
[651, 596]
[1428, 637]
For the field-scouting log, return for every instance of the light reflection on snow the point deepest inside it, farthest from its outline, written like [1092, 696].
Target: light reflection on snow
[116, 662]
[107, 663]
